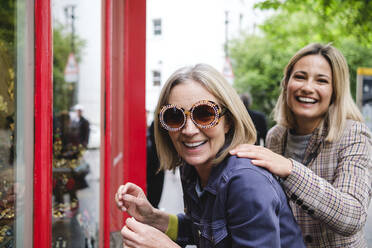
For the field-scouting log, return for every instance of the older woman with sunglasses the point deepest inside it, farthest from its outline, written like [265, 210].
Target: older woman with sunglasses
[321, 149]
[228, 201]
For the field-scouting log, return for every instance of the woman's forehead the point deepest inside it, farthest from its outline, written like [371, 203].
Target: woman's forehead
[189, 92]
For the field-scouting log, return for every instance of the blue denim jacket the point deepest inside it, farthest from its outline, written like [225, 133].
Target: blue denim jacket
[242, 206]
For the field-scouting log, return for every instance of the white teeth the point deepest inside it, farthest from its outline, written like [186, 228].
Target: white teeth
[194, 144]
[306, 99]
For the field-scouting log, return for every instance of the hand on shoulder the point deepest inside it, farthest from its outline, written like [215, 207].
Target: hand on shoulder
[264, 157]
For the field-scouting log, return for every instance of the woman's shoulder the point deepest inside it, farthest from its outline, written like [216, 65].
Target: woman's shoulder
[357, 125]
[244, 167]
[355, 129]
[240, 175]
[275, 137]
[276, 131]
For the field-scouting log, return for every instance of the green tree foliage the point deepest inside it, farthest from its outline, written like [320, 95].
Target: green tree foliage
[258, 66]
[356, 56]
[63, 92]
[350, 18]
[259, 60]
[7, 24]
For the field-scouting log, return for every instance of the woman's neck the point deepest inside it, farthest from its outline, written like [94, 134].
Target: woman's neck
[306, 127]
[204, 171]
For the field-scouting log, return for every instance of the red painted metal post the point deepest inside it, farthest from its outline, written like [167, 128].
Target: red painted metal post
[134, 92]
[43, 125]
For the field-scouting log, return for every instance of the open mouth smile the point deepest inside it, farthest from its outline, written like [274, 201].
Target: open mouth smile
[194, 144]
[306, 100]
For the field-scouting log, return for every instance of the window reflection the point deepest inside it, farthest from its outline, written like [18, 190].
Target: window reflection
[7, 129]
[76, 122]
[71, 138]
[7, 197]
[16, 126]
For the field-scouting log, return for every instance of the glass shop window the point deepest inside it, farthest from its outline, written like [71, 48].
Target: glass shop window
[16, 122]
[76, 127]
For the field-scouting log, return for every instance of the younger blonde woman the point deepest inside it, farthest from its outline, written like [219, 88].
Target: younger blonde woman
[320, 148]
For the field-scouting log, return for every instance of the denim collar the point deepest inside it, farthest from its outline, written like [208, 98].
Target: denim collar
[189, 177]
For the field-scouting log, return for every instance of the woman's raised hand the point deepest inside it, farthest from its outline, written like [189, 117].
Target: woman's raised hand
[263, 157]
[138, 235]
[131, 199]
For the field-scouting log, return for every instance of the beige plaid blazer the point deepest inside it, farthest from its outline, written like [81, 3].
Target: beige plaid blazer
[330, 190]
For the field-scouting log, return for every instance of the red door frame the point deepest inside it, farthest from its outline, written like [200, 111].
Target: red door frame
[134, 112]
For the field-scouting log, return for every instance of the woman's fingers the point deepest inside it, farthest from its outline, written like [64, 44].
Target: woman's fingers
[132, 203]
[249, 154]
[129, 237]
[240, 148]
[138, 235]
[121, 191]
[135, 235]
[261, 163]
[126, 245]
[135, 226]
[147, 236]
[127, 233]
[131, 199]
[258, 154]
[127, 189]
[252, 152]
[119, 195]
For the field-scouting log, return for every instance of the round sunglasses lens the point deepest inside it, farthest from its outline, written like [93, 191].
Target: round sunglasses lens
[173, 117]
[204, 115]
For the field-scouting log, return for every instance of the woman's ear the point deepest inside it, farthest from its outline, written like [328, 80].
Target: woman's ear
[227, 124]
[333, 98]
[227, 128]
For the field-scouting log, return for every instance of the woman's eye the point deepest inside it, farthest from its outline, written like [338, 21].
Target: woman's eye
[299, 77]
[324, 81]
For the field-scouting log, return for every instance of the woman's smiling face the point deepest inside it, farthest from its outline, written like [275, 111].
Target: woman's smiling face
[309, 91]
[196, 146]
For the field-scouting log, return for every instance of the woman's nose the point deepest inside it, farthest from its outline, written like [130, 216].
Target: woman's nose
[308, 86]
[190, 128]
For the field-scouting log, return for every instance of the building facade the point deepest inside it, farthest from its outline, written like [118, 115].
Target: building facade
[182, 33]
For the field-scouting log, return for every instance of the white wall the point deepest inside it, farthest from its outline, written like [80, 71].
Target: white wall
[193, 31]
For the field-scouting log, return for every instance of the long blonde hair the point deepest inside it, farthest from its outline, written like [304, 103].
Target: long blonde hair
[241, 130]
[342, 105]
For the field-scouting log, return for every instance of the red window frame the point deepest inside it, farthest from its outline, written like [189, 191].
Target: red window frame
[134, 112]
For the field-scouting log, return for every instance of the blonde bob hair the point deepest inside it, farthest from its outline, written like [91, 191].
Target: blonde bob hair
[342, 106]
[241, 126]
